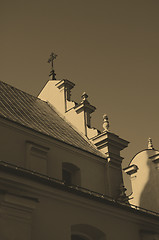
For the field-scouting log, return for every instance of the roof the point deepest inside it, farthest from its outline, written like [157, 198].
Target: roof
[144, 150]
[33, 113]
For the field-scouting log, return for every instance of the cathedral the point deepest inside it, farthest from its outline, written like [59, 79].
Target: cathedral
[62, 179]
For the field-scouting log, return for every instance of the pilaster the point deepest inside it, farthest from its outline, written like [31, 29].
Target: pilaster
[111, 145]
[16, 216]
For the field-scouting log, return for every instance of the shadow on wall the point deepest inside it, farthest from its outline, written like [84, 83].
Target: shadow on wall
[149, 198]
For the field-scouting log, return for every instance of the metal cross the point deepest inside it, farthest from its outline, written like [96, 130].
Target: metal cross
[51, 59]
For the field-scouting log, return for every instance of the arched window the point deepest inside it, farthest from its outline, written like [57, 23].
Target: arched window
[86, 232]
[71, 174]
[78, 237]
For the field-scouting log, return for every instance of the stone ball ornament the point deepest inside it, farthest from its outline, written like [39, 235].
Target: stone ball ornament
[105, 123]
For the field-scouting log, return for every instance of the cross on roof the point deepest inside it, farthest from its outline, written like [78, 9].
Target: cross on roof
[51, 60]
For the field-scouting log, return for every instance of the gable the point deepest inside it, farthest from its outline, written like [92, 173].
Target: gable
[31, 112]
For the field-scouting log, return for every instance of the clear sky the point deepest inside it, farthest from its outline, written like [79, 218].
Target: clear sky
[110, 49]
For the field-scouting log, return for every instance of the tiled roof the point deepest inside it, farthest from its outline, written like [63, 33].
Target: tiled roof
[36, 114]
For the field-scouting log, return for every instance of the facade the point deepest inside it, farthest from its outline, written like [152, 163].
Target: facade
[59, 177]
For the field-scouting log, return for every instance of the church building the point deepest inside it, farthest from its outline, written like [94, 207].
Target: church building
[62, 179]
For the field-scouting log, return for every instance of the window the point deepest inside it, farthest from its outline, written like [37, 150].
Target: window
[78, 237]
[71, 174]
[86, 232]
[67, 177]
[146, 235]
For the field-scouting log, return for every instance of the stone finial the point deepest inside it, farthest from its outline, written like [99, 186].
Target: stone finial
[122, 195]
[150, 145]
[84, 97]
[105, 123]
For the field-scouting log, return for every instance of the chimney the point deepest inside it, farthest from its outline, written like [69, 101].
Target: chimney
[111, 145]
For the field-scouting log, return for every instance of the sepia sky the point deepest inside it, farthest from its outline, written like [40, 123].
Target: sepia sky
[110, 49]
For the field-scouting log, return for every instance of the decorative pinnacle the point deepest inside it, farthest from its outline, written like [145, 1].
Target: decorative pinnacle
[51, 60]
[150, 145]
[105, 123]
[122, 195]
[84, 97]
